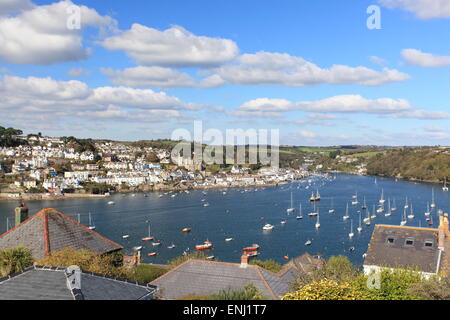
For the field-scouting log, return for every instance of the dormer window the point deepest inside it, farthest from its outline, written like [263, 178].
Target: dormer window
[409, 242]
[429, 243]
[390, 240]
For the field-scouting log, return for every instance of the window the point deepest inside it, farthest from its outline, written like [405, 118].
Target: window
[409, 242]
[390, 240]
[429, 243]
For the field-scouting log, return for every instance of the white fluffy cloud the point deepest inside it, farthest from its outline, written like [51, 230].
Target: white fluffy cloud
[265, 107]
[172, 47]
[50, 99]
[13, 6]
[144, 77]
[424, 9]
[40, 35]
[265, 68]
[419, 58]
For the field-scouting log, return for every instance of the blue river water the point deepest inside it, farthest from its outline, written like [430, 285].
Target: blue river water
[241, 214]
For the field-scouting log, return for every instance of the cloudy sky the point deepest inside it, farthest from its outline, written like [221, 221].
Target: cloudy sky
[139, 69]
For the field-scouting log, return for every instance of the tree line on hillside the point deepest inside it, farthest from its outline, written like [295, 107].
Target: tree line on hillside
[423, 164]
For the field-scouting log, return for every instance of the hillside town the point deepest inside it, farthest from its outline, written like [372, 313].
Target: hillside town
[52, 167]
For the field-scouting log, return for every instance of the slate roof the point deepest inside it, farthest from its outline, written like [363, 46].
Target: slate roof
[201, 277]
[49, 283]
[49, 231]
[400, 255]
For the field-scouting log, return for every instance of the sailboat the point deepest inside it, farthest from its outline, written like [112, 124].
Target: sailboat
[78, 217]
[389, 213]
[373, 216]
[346, 214]
[406, 203]
[317, 196]
[291, 209]
[404, 221]
[364, 207]
[308, 243]
[91, 226]
[394, 207]
[313, 197]
[411, 214]
[360, 226]
[149, 237]
[445, 188]
[381, 208]
[351, 234]
[300, 216]
[428, 212]
[433, 203]
[314, 213]
[367, 220]
[318, 220]
[355, 201]
[382, 201]
[332, 207]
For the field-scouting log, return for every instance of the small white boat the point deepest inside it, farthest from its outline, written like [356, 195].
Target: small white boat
[318, 220]
[172, 246]
[229, 239]
[291, 209]
[360, 229]
[300, 216]
[91, 226]
[382, 201]
[268, 227]
[283, 222]
[411, 214]
[428, 212]
[206, 204]
[406, 203]
[308, 243]
[111, 203]
[404, 221]
[126, 236]
[155, 244]
[433, 203]
[351, 234]
[332, 207]
[445, 188]
[139, 248]
[346, 216]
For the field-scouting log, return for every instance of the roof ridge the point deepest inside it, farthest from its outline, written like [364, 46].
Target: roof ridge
[258, 269]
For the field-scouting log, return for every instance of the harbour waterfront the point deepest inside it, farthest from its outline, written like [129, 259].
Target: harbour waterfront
[241, 214]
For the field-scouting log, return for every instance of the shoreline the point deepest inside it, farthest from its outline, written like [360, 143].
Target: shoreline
[45, 197]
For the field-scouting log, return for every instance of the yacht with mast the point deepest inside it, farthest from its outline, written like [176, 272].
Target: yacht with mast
[346, 217]
[91, 225]
[149, 237]
[445, 188]
[404, 221]
[428, 212]
[351, 234]
[355, 199]
[406, 203]
[300, 216]
[389, 213]
[360, 226]
[411, 214]
[382, 201]
[394, 206]
[433, 203]
[332, 207]
[318, 220]
[291, 209]
[364, 206]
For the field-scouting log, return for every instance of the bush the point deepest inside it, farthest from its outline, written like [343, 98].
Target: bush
[250, 292]
[327, 290]
[145, 273]
[107, 264]
[394, 285]
[270, 265]
[432, 289]
[14, 260]
[337, 268]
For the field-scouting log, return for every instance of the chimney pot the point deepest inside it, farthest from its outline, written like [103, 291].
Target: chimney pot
[244, 261]
[21, 214]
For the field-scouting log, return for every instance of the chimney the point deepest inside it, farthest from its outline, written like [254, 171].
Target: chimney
[73, 274]
[21, 214]
[443, 229]
[244, 261]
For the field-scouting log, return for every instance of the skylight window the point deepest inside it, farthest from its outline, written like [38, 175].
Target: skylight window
[409, 242]
[390, 240]
[429, 243]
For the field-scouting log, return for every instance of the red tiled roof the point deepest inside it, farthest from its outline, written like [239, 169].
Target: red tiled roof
[50, 230]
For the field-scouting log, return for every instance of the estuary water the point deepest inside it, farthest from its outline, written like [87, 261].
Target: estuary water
[241, 214]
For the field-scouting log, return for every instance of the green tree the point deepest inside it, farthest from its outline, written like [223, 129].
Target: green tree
[14, 260]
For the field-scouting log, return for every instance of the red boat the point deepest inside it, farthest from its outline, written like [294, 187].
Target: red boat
[254, 247]
[147, 239]
[205, 246]
[152, 254]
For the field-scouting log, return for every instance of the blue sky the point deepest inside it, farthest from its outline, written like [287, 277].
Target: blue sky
[140, 69]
